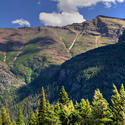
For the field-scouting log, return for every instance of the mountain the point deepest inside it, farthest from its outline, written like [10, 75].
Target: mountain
[34, 57]
[26, 51]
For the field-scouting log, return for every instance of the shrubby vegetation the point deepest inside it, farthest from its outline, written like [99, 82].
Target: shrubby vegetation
[65, 112]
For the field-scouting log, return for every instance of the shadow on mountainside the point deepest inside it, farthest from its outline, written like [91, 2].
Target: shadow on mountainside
[98, 68]
[11, 45]
[42, 41]
[46, 77]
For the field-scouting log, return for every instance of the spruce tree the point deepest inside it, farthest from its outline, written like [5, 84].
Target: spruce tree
[52, 118]
[57, 108]
[33, 119]
[5, 117]
[118, 105]
[100, 111]
[66, 113]
[42, 109]
[85, 110]
[43, 101]
[19, 119]
[63, 96]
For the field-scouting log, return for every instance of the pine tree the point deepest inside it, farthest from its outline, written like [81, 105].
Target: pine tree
[100, 111]
[19, 119]
[63, 96]
[57, 108]
[5, 117]
[52, 118]
[118, 105]
[68, 113]
[85, 110]
[33, 119]
[42, 109]
[75, 118]
[43, 101]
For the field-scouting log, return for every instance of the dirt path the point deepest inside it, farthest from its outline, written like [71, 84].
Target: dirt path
[74, 41]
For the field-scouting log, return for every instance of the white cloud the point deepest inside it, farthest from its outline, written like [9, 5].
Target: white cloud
[61, 19]
[21, 22]
[68, 11]
[73, 5]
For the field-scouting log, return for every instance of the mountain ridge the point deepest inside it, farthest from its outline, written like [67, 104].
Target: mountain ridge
[35, 56]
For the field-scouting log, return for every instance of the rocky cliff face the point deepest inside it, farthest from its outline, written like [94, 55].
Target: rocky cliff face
[7, 78]
[102, 25]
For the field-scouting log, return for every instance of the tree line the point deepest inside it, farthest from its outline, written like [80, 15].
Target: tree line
[65, 112]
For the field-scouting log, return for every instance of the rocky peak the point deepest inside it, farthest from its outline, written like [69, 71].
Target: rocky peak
[103, 25]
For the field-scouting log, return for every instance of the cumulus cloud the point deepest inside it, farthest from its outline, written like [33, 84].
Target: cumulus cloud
[68, 11]
[21, 22]
[73, 5]
[61, 19]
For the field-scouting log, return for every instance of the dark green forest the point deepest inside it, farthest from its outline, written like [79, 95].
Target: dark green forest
[66, 112]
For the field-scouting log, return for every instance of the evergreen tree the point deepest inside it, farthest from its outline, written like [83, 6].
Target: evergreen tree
[42, 109]
[43, 101]
[52, 118]
[118, 105]
[19, 119]
[33, 119]
[57, 108]
[100, 111]
[63, 96]
[67, 113]
[5, 117]
[85, 110]
[75, 118]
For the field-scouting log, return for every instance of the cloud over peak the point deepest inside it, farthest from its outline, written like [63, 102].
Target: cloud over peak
[60, 19]
[68, 11]
[21, 22]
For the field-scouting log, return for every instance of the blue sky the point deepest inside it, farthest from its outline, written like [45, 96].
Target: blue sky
[17, 13]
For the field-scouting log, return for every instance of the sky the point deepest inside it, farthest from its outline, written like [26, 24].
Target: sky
[33, 13]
